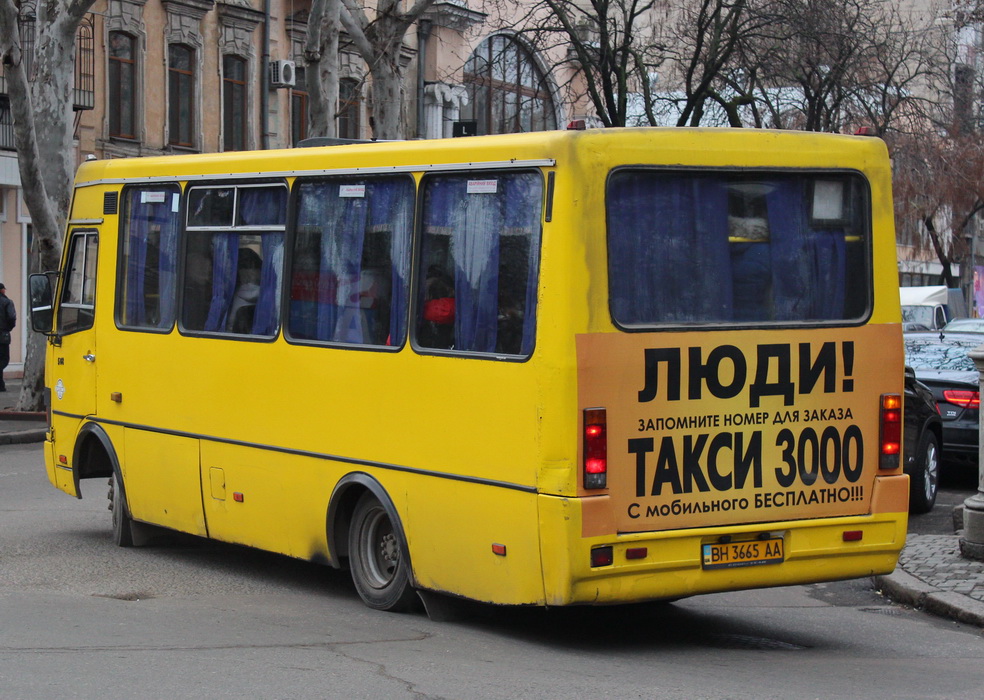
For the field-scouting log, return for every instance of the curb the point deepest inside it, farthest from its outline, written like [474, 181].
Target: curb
[7, 414]
[905, 588]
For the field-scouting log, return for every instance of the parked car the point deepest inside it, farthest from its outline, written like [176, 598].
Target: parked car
[963, 325]
[942, 363]
[921, 456]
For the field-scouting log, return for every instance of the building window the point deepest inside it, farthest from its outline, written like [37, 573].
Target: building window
[122, 85]
[233, 103]
[181, 95]
[349, 110]
[507, 91]
[298, 107]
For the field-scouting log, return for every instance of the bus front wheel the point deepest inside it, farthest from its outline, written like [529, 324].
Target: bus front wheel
[379, 569]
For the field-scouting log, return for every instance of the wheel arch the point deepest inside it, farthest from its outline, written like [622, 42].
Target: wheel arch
[94, 456]
[341, 507]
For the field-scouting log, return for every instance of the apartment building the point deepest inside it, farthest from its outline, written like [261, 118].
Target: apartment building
[159, 77]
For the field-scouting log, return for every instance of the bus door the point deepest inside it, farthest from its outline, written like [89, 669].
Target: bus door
[73, 357]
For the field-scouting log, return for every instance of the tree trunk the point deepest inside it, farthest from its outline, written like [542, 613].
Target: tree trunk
[41, 108]
[380, 42]
[321, 55]
[386, 102]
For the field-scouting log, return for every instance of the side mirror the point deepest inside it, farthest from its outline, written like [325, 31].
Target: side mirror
[42, 303]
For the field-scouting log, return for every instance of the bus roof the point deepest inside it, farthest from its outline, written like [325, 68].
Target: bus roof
[670, 146]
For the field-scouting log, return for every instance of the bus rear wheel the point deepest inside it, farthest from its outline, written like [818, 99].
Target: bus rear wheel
[379, 569]
[122, 523]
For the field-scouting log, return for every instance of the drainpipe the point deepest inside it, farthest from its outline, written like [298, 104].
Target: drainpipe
[265, 80]
[423, 33]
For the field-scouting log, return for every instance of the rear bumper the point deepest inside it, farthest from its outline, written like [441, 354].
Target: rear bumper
[815, 550]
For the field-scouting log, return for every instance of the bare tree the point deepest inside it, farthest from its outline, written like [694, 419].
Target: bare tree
[609, 48]
[39, 84]
[711, 32]
[648, 61]
[378, 38]
[827, 65]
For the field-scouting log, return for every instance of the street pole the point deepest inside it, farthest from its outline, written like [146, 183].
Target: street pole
[972, 540]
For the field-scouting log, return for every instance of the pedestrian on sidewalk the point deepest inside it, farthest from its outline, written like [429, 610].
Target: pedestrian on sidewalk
[8, 319]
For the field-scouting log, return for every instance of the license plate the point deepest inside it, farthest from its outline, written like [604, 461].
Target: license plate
[748, 553]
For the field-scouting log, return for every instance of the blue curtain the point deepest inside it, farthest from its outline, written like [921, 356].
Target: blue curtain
[668, 249]
[830, 273]
[523, 205]
[225, 257]
[267, 313]
[266, 206]
[142, 218]
[477, 221]
[391, 205]
[263, 206]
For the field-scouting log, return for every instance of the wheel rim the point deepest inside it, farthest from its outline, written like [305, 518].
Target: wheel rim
[380, 549]
[932, 472]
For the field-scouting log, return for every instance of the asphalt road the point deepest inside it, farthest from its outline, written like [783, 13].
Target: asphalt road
[81, 618]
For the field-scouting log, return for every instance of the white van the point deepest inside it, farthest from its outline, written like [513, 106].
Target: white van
[931, 306]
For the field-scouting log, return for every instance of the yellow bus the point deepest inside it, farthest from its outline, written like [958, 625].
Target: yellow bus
[581, 367]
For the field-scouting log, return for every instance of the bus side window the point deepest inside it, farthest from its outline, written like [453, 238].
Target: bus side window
[150, 224]
[234, 259]
[480, 255]
[350, 260]
[77, 306]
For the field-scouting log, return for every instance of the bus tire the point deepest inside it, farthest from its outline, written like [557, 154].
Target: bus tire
[122, 523]
[379, 568]
[925, 478]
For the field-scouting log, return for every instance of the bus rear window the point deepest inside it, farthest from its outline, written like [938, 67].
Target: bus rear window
[737, 248]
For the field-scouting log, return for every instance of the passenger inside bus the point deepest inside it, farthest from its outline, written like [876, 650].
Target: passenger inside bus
[243, 309]
[437, 327]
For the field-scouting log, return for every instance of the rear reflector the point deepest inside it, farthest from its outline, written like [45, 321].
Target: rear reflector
[963, 398]
[636, 553]
[595, 448]
[853, 535]
[602, 556]
[890, 433]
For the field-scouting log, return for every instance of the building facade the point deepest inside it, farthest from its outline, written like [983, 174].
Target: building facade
[160, 77]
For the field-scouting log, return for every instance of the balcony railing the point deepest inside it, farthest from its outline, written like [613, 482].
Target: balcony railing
[83, 93]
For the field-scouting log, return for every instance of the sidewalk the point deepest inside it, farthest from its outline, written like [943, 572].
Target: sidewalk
[17, 427]
[932, 575]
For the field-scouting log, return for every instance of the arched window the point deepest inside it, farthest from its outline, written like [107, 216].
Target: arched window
[122, 85]
[181, 95]
[233, 103]
[507, 91]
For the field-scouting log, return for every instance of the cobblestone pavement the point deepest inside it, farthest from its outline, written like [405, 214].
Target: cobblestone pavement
[936, 560]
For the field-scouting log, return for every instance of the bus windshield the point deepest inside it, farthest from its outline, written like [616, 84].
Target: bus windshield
[742, 248]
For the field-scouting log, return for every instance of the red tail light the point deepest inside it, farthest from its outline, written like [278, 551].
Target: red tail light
[595, 449]
[891, 431]
[963, 398]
